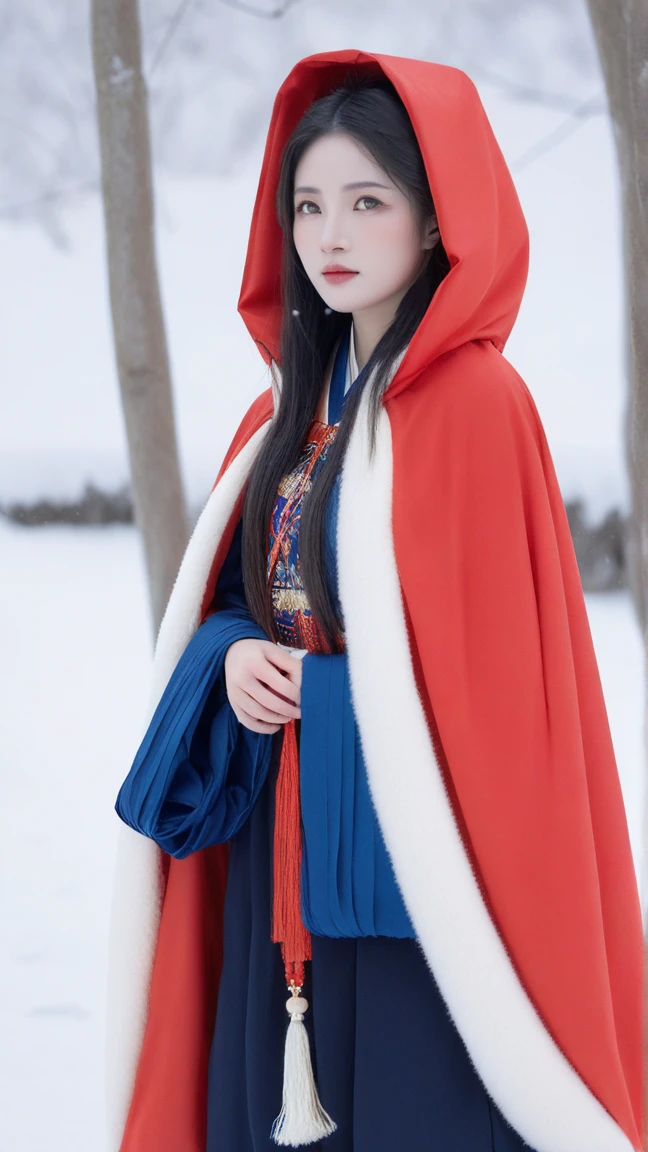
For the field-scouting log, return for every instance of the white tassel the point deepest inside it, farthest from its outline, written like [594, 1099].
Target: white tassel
[302, 1119]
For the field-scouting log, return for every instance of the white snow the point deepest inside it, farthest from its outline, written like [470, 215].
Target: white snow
[74, 618]
[73, 615]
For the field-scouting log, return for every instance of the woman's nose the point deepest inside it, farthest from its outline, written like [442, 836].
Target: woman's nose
[333, 234]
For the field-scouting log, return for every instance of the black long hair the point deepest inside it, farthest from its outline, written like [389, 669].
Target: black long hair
[371, 112]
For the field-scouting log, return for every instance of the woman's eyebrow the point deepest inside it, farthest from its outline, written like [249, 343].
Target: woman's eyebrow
[345, 187]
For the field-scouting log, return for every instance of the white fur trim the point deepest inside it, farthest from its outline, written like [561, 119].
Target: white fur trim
[136, 899]
[522, 1068]
[134, 923]
[182, 615]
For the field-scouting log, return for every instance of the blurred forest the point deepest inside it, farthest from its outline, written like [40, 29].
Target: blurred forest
[213, 67]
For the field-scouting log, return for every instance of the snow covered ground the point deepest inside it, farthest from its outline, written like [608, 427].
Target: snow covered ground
[73, 616]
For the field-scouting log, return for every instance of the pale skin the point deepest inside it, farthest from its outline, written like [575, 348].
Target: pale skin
[372, 229]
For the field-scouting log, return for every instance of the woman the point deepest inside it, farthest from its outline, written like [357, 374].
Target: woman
[418, 826]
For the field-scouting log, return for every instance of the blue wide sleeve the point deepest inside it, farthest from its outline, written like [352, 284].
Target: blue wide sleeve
[198, 771]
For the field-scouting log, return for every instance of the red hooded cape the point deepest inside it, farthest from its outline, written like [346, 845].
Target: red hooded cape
[501, 654]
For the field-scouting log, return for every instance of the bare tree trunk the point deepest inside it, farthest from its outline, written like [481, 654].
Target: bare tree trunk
[621, 31]
[138, 323]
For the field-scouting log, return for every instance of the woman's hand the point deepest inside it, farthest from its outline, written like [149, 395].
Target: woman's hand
[263, 684]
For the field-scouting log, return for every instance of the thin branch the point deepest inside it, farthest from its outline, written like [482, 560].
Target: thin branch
[47, 197]
[86, 185]
[30, 132]
[551, 140]
[271, 14]
[171, 29]
[527, 93]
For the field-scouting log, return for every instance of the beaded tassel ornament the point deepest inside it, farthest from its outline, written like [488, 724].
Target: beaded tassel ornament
[302, 1119]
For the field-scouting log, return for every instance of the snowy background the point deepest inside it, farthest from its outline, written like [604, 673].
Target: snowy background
[73, 616]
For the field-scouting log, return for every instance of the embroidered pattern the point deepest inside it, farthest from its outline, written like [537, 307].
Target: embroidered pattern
[296, 624]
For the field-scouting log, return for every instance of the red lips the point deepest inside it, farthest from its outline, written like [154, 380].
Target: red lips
[337, 273]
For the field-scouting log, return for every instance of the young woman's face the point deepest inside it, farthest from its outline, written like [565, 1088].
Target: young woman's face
[349, 212]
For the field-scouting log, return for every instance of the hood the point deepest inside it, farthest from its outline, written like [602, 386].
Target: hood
[480, 218]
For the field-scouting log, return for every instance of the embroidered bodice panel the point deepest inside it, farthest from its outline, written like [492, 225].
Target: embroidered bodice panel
[293, 615]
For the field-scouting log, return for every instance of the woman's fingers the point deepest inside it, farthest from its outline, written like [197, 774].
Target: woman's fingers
[271, 672]
[255, 725]
[274, 701]
[279, 656]
[248, 703]
[263, 683]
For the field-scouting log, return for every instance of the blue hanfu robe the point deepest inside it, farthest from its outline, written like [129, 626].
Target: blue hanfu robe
[391, 1067]
[198, 773]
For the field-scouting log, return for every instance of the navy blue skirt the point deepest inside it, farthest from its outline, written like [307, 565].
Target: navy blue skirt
[390, 1066]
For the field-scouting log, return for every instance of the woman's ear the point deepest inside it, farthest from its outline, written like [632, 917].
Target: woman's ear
[431, 234]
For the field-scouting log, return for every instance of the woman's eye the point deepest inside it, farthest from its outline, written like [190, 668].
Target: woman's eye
[373, 202]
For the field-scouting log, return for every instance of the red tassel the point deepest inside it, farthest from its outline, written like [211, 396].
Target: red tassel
[287, 923]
